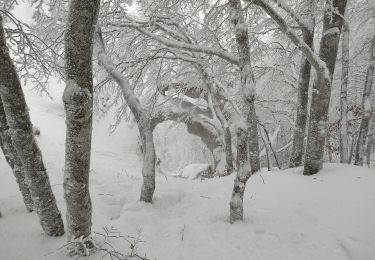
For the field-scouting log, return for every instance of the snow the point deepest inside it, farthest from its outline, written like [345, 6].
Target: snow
[290, 216]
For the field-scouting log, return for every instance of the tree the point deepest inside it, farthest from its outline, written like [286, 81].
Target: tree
[13, 159]
[247, 137]
[367, 112]
[18, 119]
[344, 142]
[142, 116]
[303, 88]
[78, 105]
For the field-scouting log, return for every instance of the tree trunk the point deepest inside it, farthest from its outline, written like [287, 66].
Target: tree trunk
[243, 174]
[247, 143]
[149, 160]
[13, 159]
[370, 142]
[344, 143]
[20, 127]
[298, 150]
[318, 123]
[142, 117]
[366, 109]
[78, 109]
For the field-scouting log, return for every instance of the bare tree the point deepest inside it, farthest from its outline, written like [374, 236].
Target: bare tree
[303, 89]
[142, 116]
[78, 104]
[366, 108]
[344, 142]
[13, 159]
[20, 126]
[247, 142]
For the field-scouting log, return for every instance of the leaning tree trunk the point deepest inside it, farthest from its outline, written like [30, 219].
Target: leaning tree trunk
[13, 159]
[297, 153]
[141, 116]
[366, 109]
[78, 104]
[247, 143]
[318, 123]
[25, 145]
[344, 142]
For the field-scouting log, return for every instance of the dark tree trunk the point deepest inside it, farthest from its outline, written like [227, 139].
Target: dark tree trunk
[78, 109]
[296, 159]
[366, 109]
[18, 119]
[13, 159]
[318, 123]
[344, 143]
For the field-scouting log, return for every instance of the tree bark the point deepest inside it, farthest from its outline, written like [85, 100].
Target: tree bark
[371, 140]
[78, 104]
[344, 143]
[20, 127]
[247, 142]
[366, 109]
[142, 117]
[298, 150]
[243, 174]
[318, 123]
[13, 159]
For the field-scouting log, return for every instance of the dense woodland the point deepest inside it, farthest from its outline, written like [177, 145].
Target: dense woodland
[261, 84]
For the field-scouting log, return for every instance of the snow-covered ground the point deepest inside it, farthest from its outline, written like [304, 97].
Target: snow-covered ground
[289, 216]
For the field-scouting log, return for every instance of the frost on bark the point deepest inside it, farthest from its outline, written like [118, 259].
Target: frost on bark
[318, 124]
[248, 161]
[297, 153]
[247, 82]
[344, 142]
[366, 109]
[78, 104]
[243, 174]
[141, 115]
[13, 159]
[25, 145]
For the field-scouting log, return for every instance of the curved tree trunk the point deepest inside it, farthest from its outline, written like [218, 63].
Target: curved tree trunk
[366, 109]
[18, 119]
[247, 143]
[13, 159]
[298, 150]
[344, 142]
[371, 140]
[318, 123]
[141, 116]
[78, 109]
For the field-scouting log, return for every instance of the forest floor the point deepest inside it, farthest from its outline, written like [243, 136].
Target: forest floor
[287, 215]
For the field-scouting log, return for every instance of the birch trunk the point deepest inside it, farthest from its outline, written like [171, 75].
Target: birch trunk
[247, 141]
[298, 150]
[366, 109]
[141, 116]
[318, 123]
[25, 145]
[78, 104]
[344, 142]
[13, 159]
